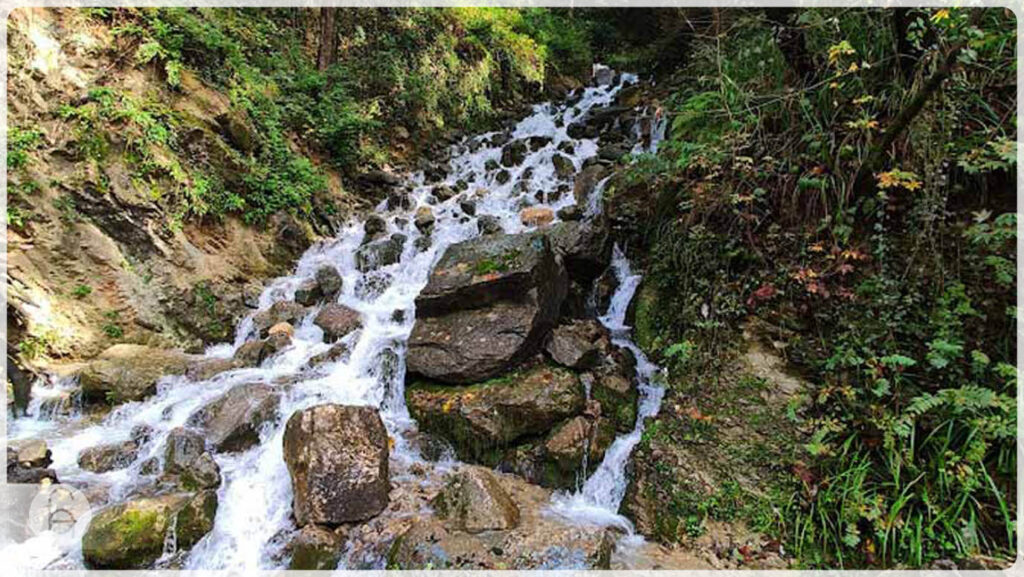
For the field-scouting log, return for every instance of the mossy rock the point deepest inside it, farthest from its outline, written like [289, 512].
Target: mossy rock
[482, 420]
[131, 535]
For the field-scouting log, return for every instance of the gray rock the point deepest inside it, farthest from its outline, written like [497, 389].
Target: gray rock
[233, 421]
[489, 224]
[380, 253]
[330, 282]
[279, 312]
[103, 458]
[563, 166]
[576, 345]
[337, 320]
[130, 372]
[488, 304]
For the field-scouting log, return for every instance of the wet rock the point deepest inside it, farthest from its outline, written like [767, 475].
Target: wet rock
[618, 396]
[586, 181]
[24, 473]
[566, 445]
[315, 548]
[539, 142]
[468, 207]
[513, 154]
[603, 76]
[613, 152]
[380, 253]
[491, 165]
[489, 224]
[125, 373]
[576, 345]
[131, 535]
[329, 282]
[472, 500]
[308, 292]
[424, 219]
[373, 227]
[569, 213]
[488, 304]
[378, 177]
[32, 453]
[279, 312]
[337, 320]
[252, 353]
[202, 473]
[337, 457]
[206, 369]
[536, 216]
[480, 418]
[567, 147]
[585, 246]
[103, 458]
[399, 200]
[338, 351]
[285, 329]
[232, 422]
[502, 177]
[564, 167]
[443, 192]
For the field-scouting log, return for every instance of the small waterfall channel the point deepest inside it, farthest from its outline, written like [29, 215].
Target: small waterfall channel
[255, 496]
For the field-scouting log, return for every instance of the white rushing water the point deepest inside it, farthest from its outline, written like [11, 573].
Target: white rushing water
[255, 496]
[597, 502]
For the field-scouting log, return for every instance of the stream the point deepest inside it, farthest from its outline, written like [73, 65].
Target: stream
[255, 497]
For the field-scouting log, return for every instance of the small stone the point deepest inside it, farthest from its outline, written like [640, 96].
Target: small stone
[468, 207]
[443, 192]
[563, 166]
[536, 216]
[424, 219]
[184, 446]
[330, 282]
[308, 292]
[570, 213]
[489, 224]
[33, 453]
[103, 458]
[374, 226]
[282, 329]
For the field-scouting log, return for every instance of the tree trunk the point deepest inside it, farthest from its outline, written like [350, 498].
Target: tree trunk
[792, 43]
[864, 181]
[328, 49]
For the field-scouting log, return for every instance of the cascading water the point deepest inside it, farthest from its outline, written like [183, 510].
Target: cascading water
[255, 498]
[597, 502]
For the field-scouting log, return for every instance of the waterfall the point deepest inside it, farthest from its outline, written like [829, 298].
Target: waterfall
[597, 502]
[255, 497]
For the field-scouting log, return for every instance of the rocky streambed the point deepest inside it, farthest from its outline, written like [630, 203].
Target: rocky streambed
[449, 383]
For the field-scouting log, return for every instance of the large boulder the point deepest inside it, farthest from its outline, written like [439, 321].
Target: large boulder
[233, 421]
[337, 457]
[473, 501]
[480, 420]
[489, 304]
[125, 373]
[337, 321]
[131, 535]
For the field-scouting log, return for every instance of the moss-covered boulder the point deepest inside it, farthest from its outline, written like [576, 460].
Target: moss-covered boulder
[482, 420]
[315, 548]
[131, 535]
[488, 305]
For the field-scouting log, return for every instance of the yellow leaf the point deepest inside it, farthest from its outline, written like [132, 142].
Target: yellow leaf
[940, 15]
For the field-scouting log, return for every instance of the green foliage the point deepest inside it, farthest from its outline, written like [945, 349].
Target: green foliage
[20, 142]
[81, 291]
[901, 306]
